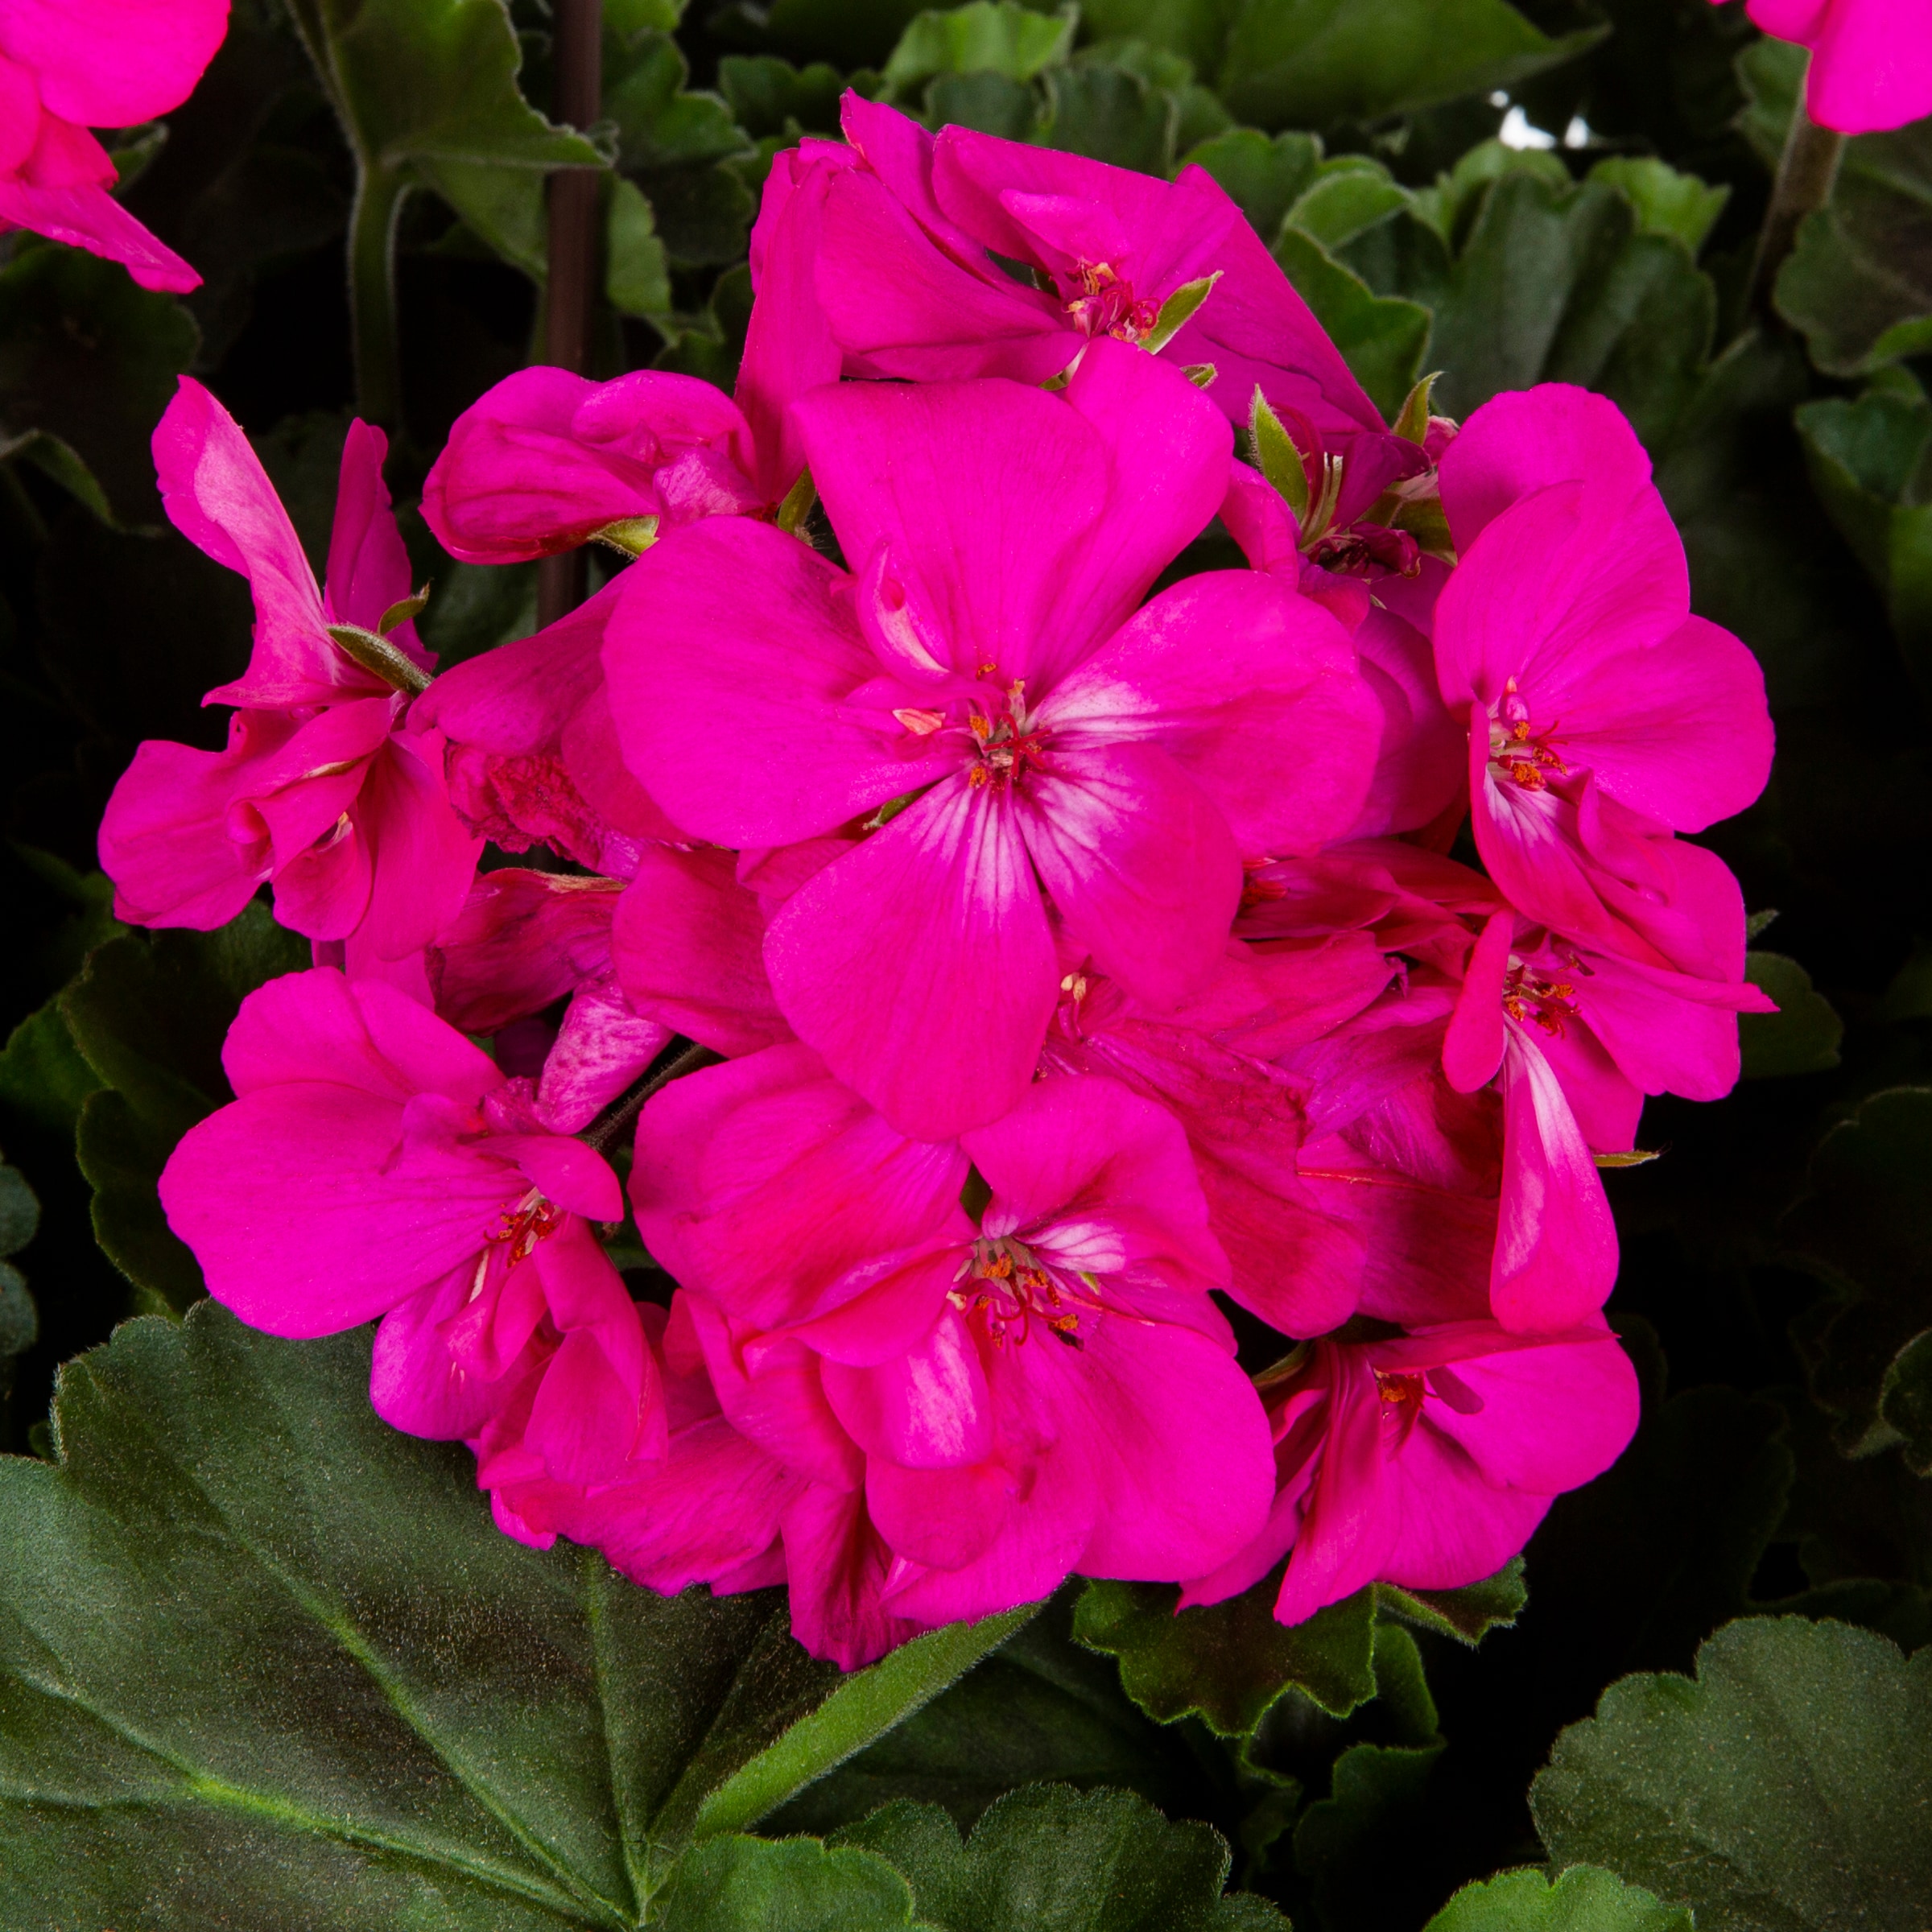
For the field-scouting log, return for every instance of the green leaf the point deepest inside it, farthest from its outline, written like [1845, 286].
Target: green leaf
[988, 36]
[862, 1708]
[148, 1013]
[1382, 337]
[1228, 1662]
[268, 1659]
[89, 359]
[1585, 1898]
[60, 462]
[768, 96]
[1049, 1858]
[1351, 1843]
[1864, 1224]
[419, 84]
[1111, 115]
[1870, 463]
[1801, 1037]
[19, 1319]
[1556, 284]
[848, 33]
[1308, 63]
[1040, 1708]
[1667, 202]
[1469, 1614]
[749, 1884]
[1265, 177]
[19, 1212]
[1790, 1785]
[43, 1079]
[637, 279]
[989, 103]
[1347, 196]
[1196, 30]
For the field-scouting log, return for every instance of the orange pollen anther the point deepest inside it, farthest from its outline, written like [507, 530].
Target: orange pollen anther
[1106, 306]
[1398, 1390]
[1007, 745]
[525, 1225]
[1530, 999]
[1004, 1286]
[1526, 756]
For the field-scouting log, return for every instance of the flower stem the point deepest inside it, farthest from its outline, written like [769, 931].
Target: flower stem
[1806, 171]
[627, 1106]
[372, 293]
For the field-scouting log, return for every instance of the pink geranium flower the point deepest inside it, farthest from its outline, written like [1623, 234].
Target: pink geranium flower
[984, 672]
[908, 280]
[1871, 59]
[975, 1406]
[1603, 716]
[67, 66]
[1427, 1459]
[325, 788]
[374, 1163]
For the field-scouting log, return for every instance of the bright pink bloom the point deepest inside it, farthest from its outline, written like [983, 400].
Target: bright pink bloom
[1871, 59]
[709, 1511]
[1426, 1460]
[908, 281]
[69, 65]
[986, 672]
[1603, 715]
[542, 461]
[977, 1408]
[532, 752]
[373, 1163]
[323, 789]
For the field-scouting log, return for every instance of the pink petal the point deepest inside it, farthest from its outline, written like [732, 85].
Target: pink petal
[1455, 1527]
[1556, 1247]
[928, 1408]
[764, 1181]
[602, 1048]
[86, 216]
[920, 965]
[522, 939]
[424, 857]
[109, 63]
[730, 657]
[1252, 689]
[1139, 862]
[836, 1563]
[368, 566]
[1472, 1050]
[1871, 67]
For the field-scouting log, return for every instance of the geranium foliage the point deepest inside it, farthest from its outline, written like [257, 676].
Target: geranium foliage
[968, 965]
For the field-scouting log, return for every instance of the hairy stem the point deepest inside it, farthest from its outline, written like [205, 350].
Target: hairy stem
[372, 293]
[627, 1106]
[1806, 171]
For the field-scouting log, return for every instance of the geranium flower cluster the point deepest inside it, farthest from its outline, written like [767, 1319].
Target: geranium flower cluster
[1034, 953]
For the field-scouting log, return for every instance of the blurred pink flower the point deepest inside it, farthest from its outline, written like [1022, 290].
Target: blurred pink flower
[1871, 59]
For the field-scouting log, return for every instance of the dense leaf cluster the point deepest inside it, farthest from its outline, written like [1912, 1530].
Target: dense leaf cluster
[264, 1662]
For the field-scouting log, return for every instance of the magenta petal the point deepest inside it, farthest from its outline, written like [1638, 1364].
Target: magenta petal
[919, 965]
[218, 496]
[523, 939]
[730, 656]
[765, 1182]
[166, 838]
[86, 216]
[949, 1516]
[424, 857]
[928, 1408]
[1472, 1050]
[368, 565]
[106, 64]
[1252, 689]
[1556, 1246]
[688, 944]
[1455, 1527]
[602, 1048]
[836, 1564]
[982, 495]
[1525, 440]
[415, 1381]
[1137, 861]
[585, 1417]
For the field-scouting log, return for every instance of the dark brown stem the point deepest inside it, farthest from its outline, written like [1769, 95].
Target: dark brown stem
[1806, 171]
[627, 1106]
[570, 287]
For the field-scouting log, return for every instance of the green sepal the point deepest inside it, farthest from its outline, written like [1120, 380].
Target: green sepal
[1275, 454]
[797, 504]
[1412, 422]
[1178, 311]
[403, 610]
[628, 536]
[378, 655]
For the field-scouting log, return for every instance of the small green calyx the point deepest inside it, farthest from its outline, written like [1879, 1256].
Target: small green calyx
[1178, 311]
[628, 536]
[378, 654]
[797, 504]
[1200, 374]
[402, 611]
[1413, 423]
[1275, 454]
